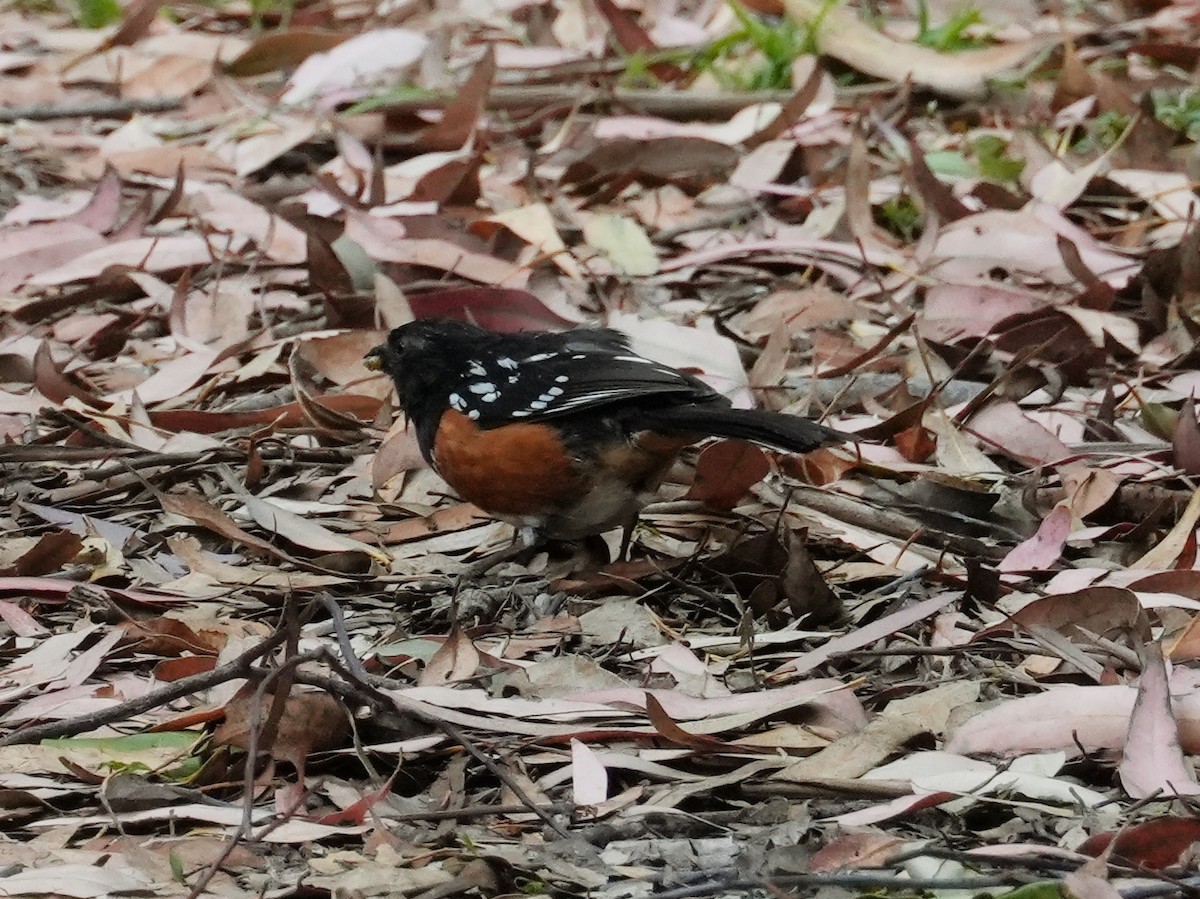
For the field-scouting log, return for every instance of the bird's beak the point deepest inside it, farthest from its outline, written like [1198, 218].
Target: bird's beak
[374, 359]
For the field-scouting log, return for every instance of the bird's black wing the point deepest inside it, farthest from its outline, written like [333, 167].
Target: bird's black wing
[563, 375]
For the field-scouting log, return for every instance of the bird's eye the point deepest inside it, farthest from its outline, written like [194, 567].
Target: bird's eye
[410, 341]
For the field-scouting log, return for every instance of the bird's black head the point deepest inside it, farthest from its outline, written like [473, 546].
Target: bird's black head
[424, 359]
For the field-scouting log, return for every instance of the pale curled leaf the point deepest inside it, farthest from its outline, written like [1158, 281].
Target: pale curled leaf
[355, 63]
[589, 777]
[843, 35]
[76, 881]
[306, 532]
[623, 241]
[1168, 549]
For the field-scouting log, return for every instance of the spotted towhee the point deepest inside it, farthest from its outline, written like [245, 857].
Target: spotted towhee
[564, 434]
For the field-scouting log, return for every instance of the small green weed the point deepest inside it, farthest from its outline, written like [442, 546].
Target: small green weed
[758, 55]
[991, 155]
[398, 94]
[951, 35]
[97, 13]
[1103, 132]
[901, 216]
[1179, 110]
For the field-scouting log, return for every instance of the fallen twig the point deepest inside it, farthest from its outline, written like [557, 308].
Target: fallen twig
[238, 667]
[96, 109]
[353, 668]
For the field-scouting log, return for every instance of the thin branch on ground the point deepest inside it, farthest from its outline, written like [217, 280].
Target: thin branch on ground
[240, 667]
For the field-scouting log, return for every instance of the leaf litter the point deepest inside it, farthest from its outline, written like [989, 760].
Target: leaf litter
[955, 653]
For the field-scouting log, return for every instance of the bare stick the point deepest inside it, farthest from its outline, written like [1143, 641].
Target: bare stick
[238, 667]
[97, 109]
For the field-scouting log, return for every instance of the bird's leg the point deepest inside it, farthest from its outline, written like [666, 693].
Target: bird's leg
[627, 538]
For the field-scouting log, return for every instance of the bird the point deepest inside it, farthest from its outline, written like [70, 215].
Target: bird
[563, 434]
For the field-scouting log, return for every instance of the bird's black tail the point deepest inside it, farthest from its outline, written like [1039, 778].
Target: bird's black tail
[786, 432]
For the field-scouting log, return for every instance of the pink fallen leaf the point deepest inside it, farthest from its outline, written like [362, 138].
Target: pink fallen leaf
[849, 851]
[104, 206]
[955, 311]
[713, 356]
[388, 241]
[150, 254]
[1071, 718]
[172, 76]
[22, 623]
[31, 209]
[85, 664]
[1096, 717]
[1024, 242]
[84, 881]
[57, 589]
[43, 247]
[59, 704]
[1004, 425]
[902, 805]
[1185, 441]
[228, 212]
[1153, 760]
[47, 661]
[940, 775]
[1045, 547]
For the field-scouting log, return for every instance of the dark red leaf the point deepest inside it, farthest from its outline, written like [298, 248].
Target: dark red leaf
[725, 471]
[491, 307]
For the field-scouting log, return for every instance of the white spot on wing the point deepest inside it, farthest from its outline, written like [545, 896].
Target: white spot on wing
[542, 357]
[476, 369]
[562, 379]
[641, 359]
[520, 413]
[537, 405]
[490, 397]
[473, 414]
[506, 362]
[482, 387]
[554, 391]
[457, 402]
